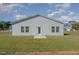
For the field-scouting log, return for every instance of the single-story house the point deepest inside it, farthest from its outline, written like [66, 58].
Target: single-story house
[37, 25]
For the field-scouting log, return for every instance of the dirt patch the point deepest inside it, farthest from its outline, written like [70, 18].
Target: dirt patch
[51, 53]
[42, 53]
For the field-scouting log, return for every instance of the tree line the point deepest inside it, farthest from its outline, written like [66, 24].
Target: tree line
[5, 25]
[76, 26]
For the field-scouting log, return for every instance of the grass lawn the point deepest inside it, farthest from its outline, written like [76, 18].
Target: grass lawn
[70, 41]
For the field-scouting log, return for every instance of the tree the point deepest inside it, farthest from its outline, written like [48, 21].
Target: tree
[75, 26]
[1, 26]
[4, 25]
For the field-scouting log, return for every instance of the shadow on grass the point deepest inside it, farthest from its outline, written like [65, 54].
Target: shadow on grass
[66, 34]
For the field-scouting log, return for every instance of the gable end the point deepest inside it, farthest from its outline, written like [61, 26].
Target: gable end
[28, 18]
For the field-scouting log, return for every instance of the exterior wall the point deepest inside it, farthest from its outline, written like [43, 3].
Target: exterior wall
[33, 24]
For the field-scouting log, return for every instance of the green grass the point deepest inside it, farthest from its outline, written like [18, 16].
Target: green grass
[70, 41]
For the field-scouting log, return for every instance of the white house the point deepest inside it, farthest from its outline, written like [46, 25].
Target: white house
[37, 25]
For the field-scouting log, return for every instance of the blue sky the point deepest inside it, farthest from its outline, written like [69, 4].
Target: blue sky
[62, 12]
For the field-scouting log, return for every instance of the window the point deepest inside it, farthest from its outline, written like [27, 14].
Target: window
[22, 29]
[53, 29]
[39, 30]
[27, 29]
[57, 29]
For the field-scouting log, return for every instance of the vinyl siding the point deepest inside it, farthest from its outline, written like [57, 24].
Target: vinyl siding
[34, 23]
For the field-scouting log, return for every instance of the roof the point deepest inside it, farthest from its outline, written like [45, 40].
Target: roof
[28, 18]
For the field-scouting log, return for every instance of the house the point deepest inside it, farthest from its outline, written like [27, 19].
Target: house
[37, 25]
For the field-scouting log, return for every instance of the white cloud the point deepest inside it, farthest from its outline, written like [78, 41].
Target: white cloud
[19, 16]
[65, 18]
[9, 7]
[59, 9]
[63, 5]
[59, 5]
[4, 8]
[54, 13]
[69, 18]
[14, 5]
[71, 13]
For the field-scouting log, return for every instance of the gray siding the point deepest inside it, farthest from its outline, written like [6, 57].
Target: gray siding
[44, 23]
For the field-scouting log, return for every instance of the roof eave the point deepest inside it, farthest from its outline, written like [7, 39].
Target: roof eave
[34, 17]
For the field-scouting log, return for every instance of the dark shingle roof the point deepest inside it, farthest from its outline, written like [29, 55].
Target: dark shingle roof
[28, 18]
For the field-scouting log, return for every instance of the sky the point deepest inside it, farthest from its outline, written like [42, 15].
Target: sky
[63, 12]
